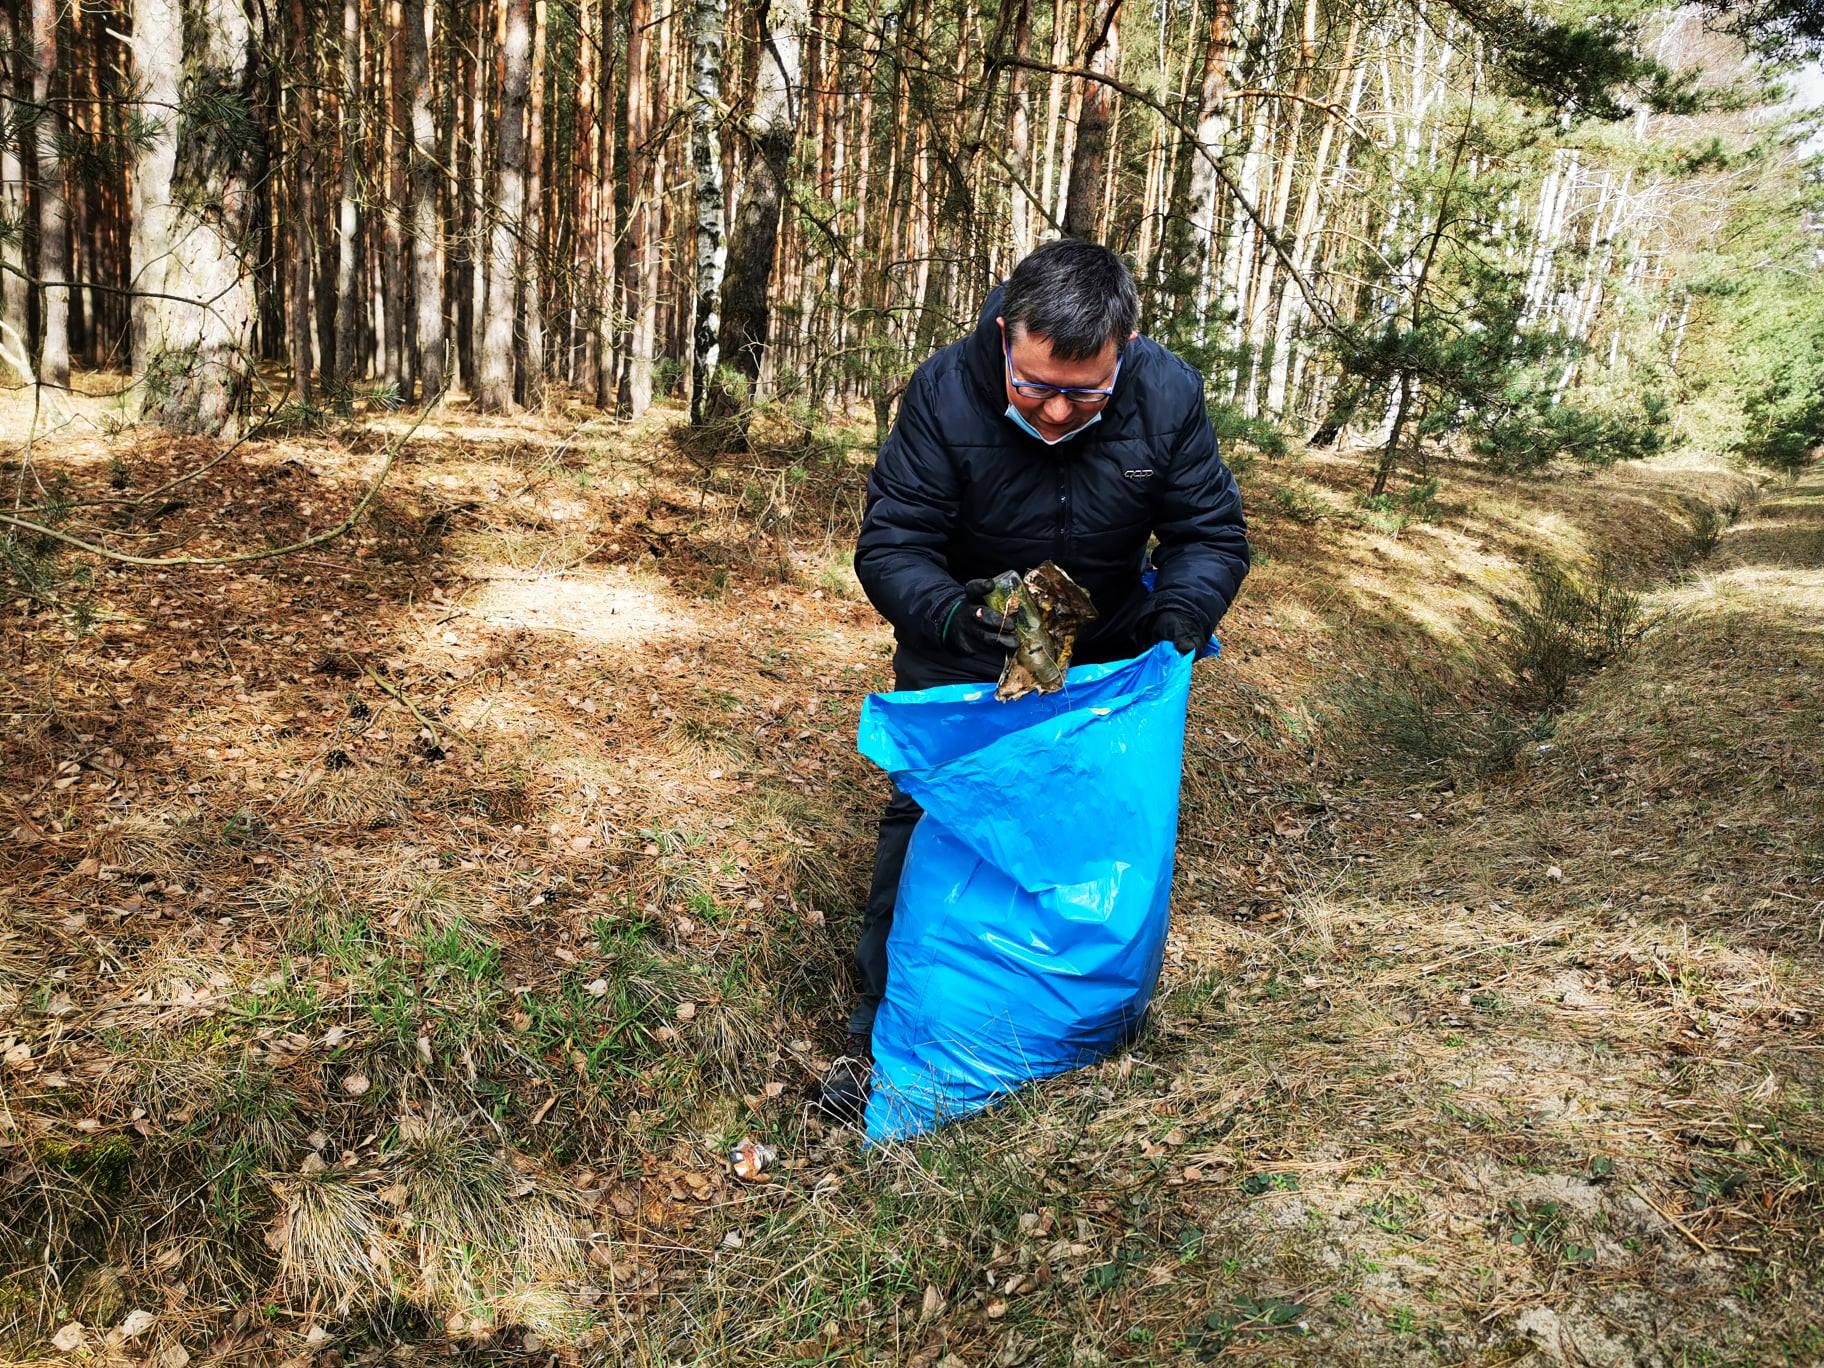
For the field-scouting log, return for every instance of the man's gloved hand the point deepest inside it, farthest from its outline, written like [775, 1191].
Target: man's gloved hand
[1178, 629]
[975, 627]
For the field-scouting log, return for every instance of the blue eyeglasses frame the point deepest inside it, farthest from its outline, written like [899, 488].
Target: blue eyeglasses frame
[1083, 396]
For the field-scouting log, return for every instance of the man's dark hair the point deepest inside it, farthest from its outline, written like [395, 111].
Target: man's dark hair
[1076, 295]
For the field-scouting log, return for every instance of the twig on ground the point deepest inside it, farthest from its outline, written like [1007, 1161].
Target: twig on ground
[399, 697]
[1686, 1230]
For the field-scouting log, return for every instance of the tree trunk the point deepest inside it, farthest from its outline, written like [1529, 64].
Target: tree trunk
[459, 223]
[607, 218]
[1019, 132]
[532, 378]
[1191, 241]
[346, 362]
[480, 207]
[1089, 167]
[746, 313]
[303, 217]
[1291, 307]
[496, 391]
[15, 289]
[707, 21]
[427, 266]
[642, 214]
[191, 197]
[53, 208]
[1054, 108]
[396, 159]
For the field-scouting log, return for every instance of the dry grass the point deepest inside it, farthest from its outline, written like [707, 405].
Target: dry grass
[447, 1043]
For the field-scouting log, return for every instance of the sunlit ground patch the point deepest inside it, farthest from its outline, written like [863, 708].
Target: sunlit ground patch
[610, 606]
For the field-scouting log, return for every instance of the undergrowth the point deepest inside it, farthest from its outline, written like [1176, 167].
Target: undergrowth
[453, 1048]
[1565, 624]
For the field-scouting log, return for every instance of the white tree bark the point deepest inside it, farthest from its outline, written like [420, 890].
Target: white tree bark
[348, 213]
[1213, 122]
[193, 313]
[707, 20]
[427, 228]
[746, 301]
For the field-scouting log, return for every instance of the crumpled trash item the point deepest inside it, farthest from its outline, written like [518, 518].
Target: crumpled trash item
[750, 1159]
[1046, 609]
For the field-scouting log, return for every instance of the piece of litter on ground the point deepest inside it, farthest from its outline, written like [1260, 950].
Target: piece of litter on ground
[750, 1159]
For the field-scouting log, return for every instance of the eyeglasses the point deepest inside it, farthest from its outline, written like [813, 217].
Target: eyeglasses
[1080, 395]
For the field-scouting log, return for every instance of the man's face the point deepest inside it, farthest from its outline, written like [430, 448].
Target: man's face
[1031, 362]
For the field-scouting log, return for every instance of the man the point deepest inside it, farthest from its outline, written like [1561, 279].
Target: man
[1053, 432]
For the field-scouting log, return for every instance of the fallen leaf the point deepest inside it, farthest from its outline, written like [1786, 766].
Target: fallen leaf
[68, 1339]
[355, 1084]
[136, 1323]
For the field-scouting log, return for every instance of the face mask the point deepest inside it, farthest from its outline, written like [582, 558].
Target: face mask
[1019, 421]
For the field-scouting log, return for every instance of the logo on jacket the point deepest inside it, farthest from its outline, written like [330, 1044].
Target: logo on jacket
[1145, 474]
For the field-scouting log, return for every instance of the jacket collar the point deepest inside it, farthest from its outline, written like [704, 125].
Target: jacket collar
[983, 357]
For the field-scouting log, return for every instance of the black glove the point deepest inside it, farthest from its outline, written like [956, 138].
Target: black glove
[974, 627]
[1178, 629]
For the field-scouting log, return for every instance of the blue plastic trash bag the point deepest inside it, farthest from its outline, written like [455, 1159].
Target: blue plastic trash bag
[1031, 917]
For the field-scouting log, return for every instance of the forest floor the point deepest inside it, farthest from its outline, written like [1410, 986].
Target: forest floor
[395, 936]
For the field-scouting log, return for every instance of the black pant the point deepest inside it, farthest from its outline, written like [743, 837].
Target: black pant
[911, 670]
[915, 670]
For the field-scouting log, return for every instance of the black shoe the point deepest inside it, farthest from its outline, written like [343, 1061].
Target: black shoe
[842, 1096]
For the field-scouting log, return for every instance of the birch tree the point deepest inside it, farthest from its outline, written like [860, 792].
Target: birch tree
[708, 18]
[193, 304]
[427, 223]
[550, 183]
[753, 243]
[349, 311]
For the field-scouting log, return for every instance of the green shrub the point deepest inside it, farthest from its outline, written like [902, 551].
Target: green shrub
[1563, 626]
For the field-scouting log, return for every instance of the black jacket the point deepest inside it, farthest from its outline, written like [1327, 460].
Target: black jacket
[958, 492]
